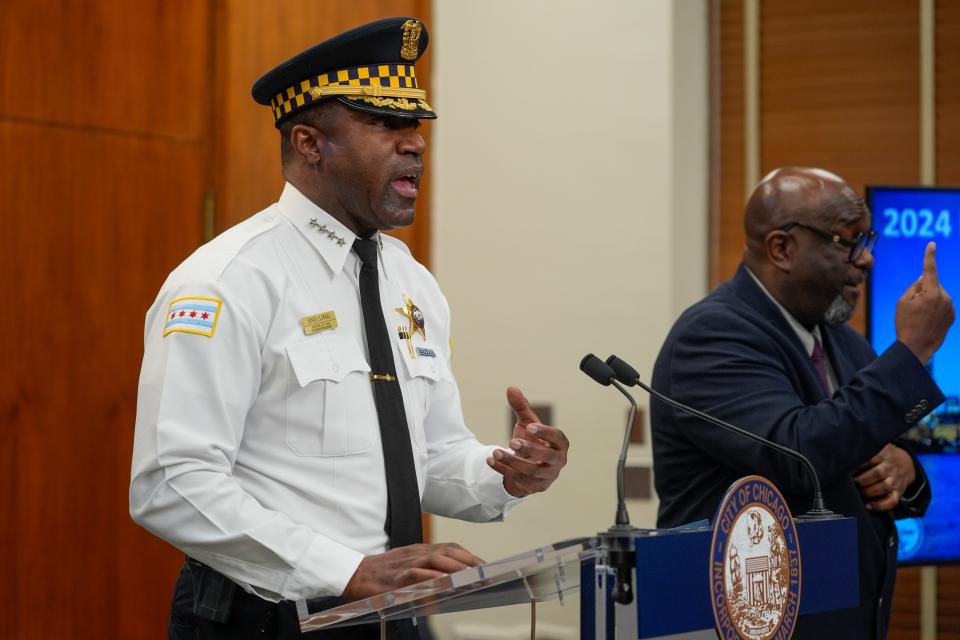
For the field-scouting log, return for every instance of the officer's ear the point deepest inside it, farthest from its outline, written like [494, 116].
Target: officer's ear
[781, 249]
[308, 142]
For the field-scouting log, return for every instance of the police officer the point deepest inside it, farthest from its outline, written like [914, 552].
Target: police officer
[296, 404]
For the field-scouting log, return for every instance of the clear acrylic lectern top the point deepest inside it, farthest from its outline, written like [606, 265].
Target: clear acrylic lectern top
[539, 575]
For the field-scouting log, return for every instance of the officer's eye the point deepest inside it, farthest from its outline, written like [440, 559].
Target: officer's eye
[395, 122]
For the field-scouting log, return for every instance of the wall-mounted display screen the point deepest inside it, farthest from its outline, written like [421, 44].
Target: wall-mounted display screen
[906, 219]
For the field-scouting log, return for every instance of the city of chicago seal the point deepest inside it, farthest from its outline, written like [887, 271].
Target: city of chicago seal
[754, 564]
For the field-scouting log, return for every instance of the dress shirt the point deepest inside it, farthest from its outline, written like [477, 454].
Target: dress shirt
[257, 449]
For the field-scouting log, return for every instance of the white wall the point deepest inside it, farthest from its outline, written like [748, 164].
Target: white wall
[569, 204]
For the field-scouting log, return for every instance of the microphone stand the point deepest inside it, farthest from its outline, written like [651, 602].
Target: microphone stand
[622, 519]
[628, 375]
[620, 551]
[619, 539]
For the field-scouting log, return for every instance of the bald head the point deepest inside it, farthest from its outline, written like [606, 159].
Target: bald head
[806, 267]
[798, 194]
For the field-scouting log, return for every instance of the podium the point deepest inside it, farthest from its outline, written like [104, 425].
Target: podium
[669, 576]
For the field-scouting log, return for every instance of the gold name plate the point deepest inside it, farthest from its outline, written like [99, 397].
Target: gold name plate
[319, 322]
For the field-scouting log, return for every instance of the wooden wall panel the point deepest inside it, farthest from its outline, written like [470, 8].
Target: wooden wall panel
[102, 171]
[728, 173]
[947, 83]
[840, 88]
[905, 616]
[947, 87]
[84, 261]
[948, 603]
[137, 66]
[255, 37]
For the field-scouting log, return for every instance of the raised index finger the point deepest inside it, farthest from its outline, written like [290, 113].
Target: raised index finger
[930, 264]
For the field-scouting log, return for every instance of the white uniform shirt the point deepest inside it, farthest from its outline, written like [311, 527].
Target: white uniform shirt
[257, 448]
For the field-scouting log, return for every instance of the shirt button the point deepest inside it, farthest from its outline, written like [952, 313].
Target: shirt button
[880, 603]
[890, 542]
[335, 368]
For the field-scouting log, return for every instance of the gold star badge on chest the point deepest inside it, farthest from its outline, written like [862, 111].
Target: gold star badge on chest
[416, 324]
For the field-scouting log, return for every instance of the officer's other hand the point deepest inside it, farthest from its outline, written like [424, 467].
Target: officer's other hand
[539, 451]
[405, 566]
[925, 311]
[885, 477]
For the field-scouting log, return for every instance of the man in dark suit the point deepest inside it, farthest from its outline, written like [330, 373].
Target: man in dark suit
[770, 351]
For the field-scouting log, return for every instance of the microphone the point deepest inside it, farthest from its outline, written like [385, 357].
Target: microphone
[620, 553]
[629, 376]
[605, 375]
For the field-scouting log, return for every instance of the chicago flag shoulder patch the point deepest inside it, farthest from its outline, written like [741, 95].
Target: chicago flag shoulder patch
[193, 315]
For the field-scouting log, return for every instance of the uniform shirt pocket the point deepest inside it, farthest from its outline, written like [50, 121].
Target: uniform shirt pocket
[329, 407]
[424, 373]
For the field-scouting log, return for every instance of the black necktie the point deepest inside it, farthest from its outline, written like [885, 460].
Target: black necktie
[403, 495]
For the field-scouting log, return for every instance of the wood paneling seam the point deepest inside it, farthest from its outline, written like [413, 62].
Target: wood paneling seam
[928, 140]
[98, 130]
[751, 91]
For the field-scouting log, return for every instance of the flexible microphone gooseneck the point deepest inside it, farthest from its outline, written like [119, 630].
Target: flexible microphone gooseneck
[629, 376]
[605, 375]
[619, 543]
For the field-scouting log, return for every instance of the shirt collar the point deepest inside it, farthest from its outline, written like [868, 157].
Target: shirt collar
[322, 230]
[332, 240]
[806, 336]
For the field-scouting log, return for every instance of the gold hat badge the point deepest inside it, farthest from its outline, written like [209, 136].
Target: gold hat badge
[411, 40]
[416, 324]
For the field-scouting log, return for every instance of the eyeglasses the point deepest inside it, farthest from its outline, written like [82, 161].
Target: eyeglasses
[861, 243]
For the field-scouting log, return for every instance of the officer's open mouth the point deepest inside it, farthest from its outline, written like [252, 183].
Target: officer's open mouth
[407, 185]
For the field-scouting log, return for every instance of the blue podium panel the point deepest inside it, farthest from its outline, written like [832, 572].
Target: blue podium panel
[673, 583]
[673, 580]
[831, 571]
[672, 588]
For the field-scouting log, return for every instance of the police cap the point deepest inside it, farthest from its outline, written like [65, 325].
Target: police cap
[368, 68]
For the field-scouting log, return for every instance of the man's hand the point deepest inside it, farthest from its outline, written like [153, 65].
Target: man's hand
[405, 566]
[885, 477]
[539, 451]
[925, 311]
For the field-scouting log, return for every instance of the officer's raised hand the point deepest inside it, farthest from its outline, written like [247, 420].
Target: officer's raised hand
[925, 311]
[539, 451]
[404, 566]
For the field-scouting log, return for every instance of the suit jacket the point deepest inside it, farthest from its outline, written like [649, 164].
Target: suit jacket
[734, 356]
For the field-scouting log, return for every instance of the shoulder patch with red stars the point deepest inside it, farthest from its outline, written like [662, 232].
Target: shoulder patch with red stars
[193, 315]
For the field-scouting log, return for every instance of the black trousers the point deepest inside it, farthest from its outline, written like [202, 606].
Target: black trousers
[255, 618]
